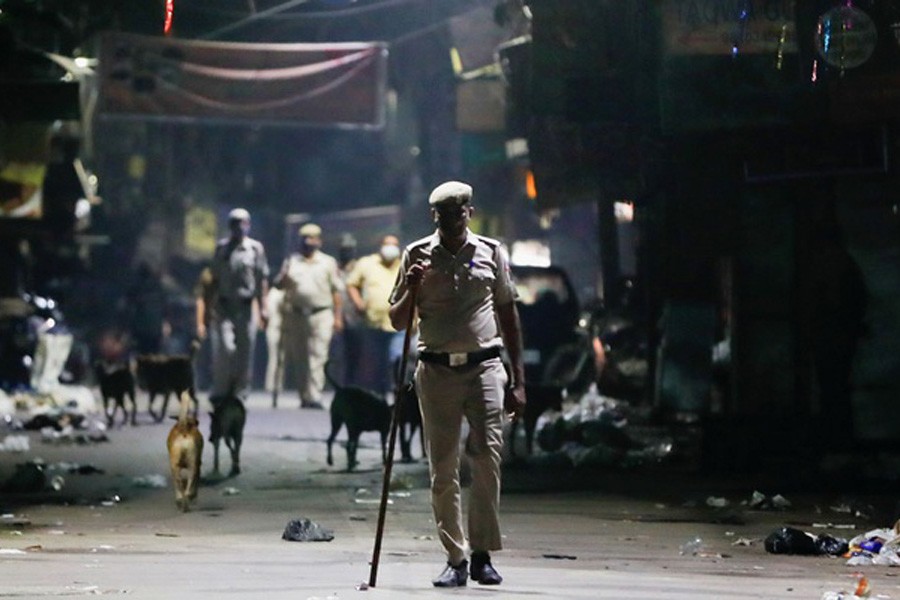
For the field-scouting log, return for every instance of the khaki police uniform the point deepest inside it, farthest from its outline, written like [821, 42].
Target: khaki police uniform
[238, 271]
[460, 375]
[309, 285]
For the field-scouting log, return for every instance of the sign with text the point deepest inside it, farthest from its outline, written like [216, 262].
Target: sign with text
[713, 27]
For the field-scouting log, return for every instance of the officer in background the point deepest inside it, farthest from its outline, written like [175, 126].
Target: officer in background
[237, 279]
[312, 312]
[465, 299]
[369, 287]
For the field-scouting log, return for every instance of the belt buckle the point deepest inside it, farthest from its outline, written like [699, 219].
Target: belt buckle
[458, 359]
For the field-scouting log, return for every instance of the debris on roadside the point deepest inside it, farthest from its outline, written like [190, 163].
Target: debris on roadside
[834, 525]
[110, 500]
[861, 591]
[11, 521]
[742, 541]
[692, 547]
[789, 540]
[153, 480]
[599, 431]
[857, 509]
[759, 501]
[876, 547]
[304, 530]
[15, 443]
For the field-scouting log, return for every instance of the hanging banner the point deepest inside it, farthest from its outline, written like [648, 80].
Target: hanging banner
[341, 84]
[714, 27]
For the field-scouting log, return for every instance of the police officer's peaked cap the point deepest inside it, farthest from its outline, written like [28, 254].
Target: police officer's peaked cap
[239, 214]
[310, 230]
[450, 192]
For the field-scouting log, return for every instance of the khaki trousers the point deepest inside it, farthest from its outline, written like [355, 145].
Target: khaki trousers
[447, 395]
[232, 338]
[306, 342]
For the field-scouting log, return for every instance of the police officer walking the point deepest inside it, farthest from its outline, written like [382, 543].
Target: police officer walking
[465, 300]
[237, 276]
[312, 312]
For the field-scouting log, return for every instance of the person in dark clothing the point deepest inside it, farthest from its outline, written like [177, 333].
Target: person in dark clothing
[145, 309]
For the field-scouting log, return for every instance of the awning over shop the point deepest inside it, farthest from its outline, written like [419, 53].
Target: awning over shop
[340, 84]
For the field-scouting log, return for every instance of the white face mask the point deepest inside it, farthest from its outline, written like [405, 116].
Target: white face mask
[390, 252]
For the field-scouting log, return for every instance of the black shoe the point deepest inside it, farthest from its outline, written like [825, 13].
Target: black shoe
[312, 404]
[453, 576]
[483, 571]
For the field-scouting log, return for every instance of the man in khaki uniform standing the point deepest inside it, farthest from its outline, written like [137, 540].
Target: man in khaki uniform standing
[465, 299]
[312, 312]
[237, 276]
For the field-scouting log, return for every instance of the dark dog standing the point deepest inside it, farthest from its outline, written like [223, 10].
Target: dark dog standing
[361, 410]
[228, 419]
[116, 381]
[161, 374]
[541, 397]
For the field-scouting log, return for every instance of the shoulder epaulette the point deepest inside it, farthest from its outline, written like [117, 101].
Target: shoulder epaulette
[418, 243]
[491, 242]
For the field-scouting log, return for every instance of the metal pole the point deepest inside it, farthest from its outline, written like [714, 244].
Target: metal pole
[395, 419]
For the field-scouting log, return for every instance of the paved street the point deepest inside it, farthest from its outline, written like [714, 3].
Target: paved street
[620, 539]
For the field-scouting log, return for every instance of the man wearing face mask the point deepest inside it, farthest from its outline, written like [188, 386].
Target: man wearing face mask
[312, 312]
[460, 287]
[369, 287]
[237, 277]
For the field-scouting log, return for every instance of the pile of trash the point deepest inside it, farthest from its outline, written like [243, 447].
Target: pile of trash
[875, 547]
[598, 431]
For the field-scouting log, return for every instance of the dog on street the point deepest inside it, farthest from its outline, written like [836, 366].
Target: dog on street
[161, 374]
[185, 445]
[228, 419]
[116, 382]
[360, 410]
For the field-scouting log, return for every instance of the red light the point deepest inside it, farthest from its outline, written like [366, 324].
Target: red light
[170, 10]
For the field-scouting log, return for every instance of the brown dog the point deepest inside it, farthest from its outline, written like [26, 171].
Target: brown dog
[185, 444]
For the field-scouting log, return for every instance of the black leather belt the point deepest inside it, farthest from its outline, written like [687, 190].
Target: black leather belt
[307, 311]
[459, 359]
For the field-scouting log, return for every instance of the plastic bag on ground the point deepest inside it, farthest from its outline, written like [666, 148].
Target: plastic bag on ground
[304, 530]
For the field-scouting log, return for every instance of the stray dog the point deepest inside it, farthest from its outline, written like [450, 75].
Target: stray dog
[361, 410]
[228, 418]
[410, 421]
[161, 374]
[185, 444]
[116, 381]
[541, 397]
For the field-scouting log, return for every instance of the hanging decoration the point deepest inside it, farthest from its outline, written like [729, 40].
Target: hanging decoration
[740, 32]
[170, 11]
[845, 37]
[782, 38]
